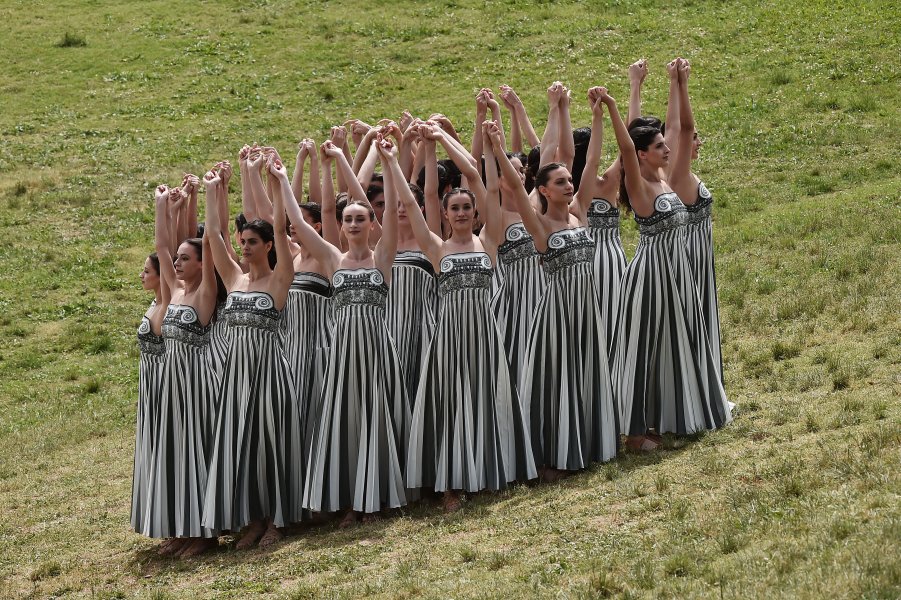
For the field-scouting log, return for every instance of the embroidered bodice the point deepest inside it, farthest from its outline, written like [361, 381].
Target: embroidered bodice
[359, 286]
[464, 270]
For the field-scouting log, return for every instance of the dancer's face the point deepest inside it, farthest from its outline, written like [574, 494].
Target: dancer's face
[355, 222]
[657, 154]
[696, 144]
[460, 212]
[150, 278]
[559, 186]
[253, 248]
[378, 206]
[188, 265]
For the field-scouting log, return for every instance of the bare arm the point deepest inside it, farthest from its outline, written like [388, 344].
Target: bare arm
[551, 137]
[588, 183]
[326, 253]
[637, 72]
[492, 233]
[248, 205]
[519, 196]
[329, 210]
[634, 182]
[520, 115]
[481, 113]
[191, 185]
[284, 266]
[430, 192]
[297, 179]
[162, 239]
[229, 270]
[465, 162]
[566, 149]
[386, 248]
[673, 112]
[680, 172]
[262, 204]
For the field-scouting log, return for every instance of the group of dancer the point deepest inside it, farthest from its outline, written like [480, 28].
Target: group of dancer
[448, 326]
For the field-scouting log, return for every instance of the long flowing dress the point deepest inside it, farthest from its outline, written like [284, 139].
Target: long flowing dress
[520, 290]
[566, 380]
[358, 451]
[218, 335]
[183, 440]
[609, 264]
[699, 244]
[256, 471]
[410, 312]
[305, 335]
[468, 429]
[664, 372]
[150, 370]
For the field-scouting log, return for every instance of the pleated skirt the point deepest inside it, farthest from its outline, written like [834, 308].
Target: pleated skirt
[699, 246]
[514, 308]
[565, 383]
[609, 266]
[664, 372]
[468, 428]
[149, 381]
[257, 465]
[218, 338]
[182, 444]
[358, 450]
[410, 318]
[305, 335]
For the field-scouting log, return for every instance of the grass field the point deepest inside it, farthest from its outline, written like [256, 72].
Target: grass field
[800, 109]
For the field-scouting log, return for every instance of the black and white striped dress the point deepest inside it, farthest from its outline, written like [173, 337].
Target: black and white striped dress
[183, 440]
[359, 442]
[256, 470]
[150, 370]
[609, 264]
[468, 429]
[565, 383]
[699, 244]
[218, 334]
[520, 290]
[305, 334]
[664, 372]
[410, 312]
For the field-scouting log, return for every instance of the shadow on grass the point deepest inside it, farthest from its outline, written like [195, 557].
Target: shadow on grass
[325, 533]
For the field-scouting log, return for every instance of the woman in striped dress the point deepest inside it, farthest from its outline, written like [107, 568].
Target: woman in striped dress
[413, 294]
[181, 446]
[306, 327]
[698, 204]
[565, 382]
[468, 431]
[153, 350]
[356, 456]
[664, 372]
[596, 206]
[256, 469]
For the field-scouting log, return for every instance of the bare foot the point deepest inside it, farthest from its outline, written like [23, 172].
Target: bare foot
[172, 546]
[552, 475]
[452, 501]
[349, 519]
[372, 517]
[641, 443]
[271, 536]
[251, 535]
[197, 547]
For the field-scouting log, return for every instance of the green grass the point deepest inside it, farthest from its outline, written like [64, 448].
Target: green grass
[798, 107]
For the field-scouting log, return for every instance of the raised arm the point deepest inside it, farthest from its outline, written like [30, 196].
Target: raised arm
[464, 161]
[588, 183]
[551, 138]
[405, 150]
[634, 183]
[229, 270]
[284, 266]
[492, 233]
[363, 148]
[339, 139]
[520, 115]
[520, 198]
[566, 149]
[256, 162]
[673, 111]
[481, 114]
[191, 185]
[680, 172]
[224, 169]
[303, 151]
[430, 243]
[327, 254]
[174, 214]
[330, 230]
[447, 126]
[386, 248]
[430, 191]
[637, 72]
[162, 238]
[248, 205]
